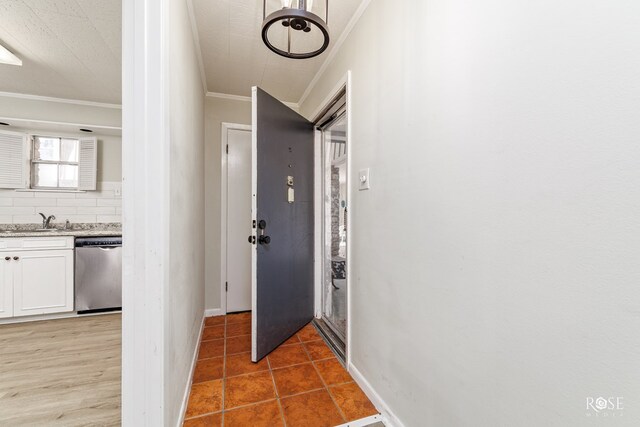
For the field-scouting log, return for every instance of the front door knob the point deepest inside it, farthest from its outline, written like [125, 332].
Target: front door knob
[264, 240]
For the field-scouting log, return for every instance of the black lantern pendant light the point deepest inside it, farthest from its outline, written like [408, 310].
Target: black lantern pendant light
[294, 31]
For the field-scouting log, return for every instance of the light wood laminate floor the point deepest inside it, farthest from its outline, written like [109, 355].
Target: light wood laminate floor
[62, 372]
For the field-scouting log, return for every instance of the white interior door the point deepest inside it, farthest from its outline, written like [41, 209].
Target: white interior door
[238, 220]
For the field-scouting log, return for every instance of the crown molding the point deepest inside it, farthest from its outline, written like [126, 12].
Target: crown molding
[196, 43]
[59, 100]
[53, 125]
[334, 49]
[228, 96]
[244, 98]
[56, 122]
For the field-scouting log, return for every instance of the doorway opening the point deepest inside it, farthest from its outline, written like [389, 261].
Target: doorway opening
[236, 218]
[333, 126]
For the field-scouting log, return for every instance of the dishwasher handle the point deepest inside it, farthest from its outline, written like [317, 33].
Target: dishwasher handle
[93, 242]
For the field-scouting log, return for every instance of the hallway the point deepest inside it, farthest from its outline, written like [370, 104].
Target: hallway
[301, 383]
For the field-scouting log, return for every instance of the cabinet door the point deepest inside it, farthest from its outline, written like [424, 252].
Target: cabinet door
[6, 287]
[43, 282]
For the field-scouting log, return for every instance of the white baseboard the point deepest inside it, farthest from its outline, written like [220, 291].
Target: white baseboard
[388, 417]
[41, 317]
[363, 422]
[185, 397]
[210, 312]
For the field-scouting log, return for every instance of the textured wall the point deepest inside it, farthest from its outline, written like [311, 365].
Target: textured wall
[495, 259]
[184, 290]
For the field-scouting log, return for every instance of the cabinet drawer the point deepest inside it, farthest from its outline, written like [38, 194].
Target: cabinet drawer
[13, 244]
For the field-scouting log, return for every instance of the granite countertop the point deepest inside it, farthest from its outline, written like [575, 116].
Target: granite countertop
[76, 230]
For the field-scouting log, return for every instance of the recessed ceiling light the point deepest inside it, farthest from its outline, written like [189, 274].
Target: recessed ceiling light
[9, 58]
[4, 124]
[86, 130]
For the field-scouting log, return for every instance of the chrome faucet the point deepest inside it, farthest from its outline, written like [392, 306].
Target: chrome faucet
[46, 220]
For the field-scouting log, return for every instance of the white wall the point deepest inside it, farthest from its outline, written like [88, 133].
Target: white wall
[109, 158]
[217, 111]
[163, 168]
[101, 206]
[184, 296]
[60, 116]
[495, 258]
[18, 107]
[145, 210]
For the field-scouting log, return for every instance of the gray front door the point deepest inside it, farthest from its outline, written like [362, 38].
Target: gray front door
[282, 259]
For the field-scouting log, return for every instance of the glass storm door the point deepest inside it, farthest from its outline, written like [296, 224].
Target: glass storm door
[334, 225]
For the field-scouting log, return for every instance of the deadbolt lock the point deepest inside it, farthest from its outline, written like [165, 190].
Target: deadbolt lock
[264, 240]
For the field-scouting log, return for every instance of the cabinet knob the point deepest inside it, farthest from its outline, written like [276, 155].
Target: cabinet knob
[16, 258]
[7, 258]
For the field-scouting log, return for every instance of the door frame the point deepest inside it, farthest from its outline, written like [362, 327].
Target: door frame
[344, 83]
[223, 206]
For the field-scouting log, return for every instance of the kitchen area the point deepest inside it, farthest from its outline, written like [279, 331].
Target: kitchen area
[60, 213]
[51, 271]
[60, 275]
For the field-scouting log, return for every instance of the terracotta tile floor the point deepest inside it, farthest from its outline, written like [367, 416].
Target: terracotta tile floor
[301, 383]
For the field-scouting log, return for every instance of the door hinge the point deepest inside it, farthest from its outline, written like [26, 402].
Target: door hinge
[227, 148]
[226, 286]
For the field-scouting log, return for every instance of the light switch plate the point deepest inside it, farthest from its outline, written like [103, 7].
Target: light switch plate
[364, 180]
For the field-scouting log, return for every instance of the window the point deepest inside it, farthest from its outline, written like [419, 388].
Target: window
[55, 162]
[48, 163]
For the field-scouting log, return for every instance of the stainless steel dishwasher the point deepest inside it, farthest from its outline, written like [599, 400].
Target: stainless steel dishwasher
[98, 274]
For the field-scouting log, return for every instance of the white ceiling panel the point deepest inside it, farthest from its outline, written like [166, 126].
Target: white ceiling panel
[235, 58]
[72, 48]
[69, 48]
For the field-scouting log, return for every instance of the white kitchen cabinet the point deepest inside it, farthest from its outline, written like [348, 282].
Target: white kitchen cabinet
[38, 276]
[43, 282]
[6, 287]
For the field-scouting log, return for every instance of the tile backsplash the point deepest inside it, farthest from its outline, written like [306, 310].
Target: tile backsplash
[101, 206]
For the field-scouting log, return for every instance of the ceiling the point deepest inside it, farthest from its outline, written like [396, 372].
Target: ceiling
[72, 48]
[235, 58]
[69, 48]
